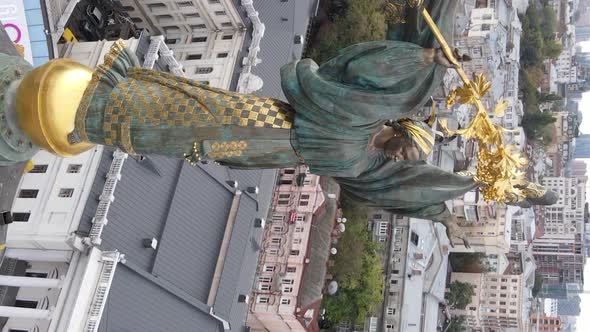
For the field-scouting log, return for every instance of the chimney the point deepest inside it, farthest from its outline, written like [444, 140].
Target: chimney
[243, 298]
[232, 183]
[259, 222]
[150, 243]
[252, 190]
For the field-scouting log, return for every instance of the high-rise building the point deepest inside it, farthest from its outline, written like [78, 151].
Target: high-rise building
[560, 260]
[565, 218]
[546, 323]
[582, 147]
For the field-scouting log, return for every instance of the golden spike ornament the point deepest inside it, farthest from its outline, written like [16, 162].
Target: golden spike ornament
[499, 167]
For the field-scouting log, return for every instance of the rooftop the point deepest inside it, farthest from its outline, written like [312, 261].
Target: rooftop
[186, 209]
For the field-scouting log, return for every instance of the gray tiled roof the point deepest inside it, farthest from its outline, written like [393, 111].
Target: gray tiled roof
[277, 47]
[186, 209]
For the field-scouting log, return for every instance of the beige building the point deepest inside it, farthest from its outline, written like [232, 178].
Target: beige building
[206, 36]
[565, 219]
[285, 254]
[486, 225]
[498, 303]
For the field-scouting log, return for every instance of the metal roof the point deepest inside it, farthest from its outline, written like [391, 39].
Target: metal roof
[186, 209]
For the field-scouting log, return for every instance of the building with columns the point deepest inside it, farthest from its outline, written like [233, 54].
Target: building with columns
[211, 39]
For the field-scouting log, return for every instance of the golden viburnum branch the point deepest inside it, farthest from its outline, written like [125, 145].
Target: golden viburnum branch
[499, 167]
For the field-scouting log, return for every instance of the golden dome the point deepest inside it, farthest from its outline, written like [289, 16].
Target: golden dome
[47, 101]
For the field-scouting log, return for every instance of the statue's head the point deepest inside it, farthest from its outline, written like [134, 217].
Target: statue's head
[414, 143]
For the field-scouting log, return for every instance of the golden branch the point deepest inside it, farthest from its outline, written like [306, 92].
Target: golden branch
[499, 167]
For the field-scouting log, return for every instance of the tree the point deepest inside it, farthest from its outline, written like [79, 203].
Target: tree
[457, 324]
[459, 294]
[545, 97]
[538, 285]
[357, 268]
[552, 49]
[361, 21]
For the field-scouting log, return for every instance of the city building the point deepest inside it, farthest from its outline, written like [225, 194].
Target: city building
[381, 222]
[582, 147]
[560, 260]
[501, 301]
[292, 264]
[487, 225]
[206, 37]
[545, 323]
[24, 23]
[565, 218]
[415, 277]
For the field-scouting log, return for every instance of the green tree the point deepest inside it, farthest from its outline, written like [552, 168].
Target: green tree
[357, 268]
[538, 285]
[545, 97]
[457, 324]
[459, 294]
[552, 49]
[549, 25]
[361, 21]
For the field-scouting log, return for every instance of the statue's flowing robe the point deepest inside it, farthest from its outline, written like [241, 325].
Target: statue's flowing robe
[333, 110]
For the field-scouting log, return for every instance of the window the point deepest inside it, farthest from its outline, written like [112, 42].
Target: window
[171, 41]
[28, 193]
[283, 202]
[393, 282]
[39, 169]
[287, 281]
[227, 37]
[303, 203]
[226, 24]
[300, 219]
[277, 229]
[294, 253]
[512, 311]
[156, 6]
[297, 241]
[275, 240]
[267, 280]
[377, 216]
[31, 304]
[291, 269]
[21, 216]
[36, 274]
[391, 311]
[472, 308]
[74, 168]
[220, 12]
[164, 18]
[213, 1]
[262, 299]
[222, 55]
[171, 29]
[285, 301]
[395, 271]
[272, 251]
[414, 238]
[298, 229]
[199, 39]
[269, 268]
[284, 196]
[203, 70]
[191, 15]
[277, 218]
[285, 182]
[288, 289]
[18, 330]
[264, 287]
[185, 4]
[290, 171]
[194, 56]
[305, 197]
[65, 192]
[198, 26]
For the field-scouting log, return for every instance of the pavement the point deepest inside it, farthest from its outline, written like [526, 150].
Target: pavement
[9, 175]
